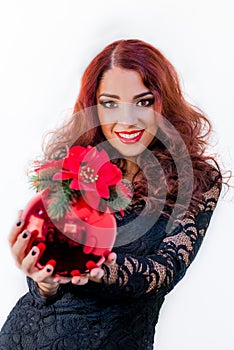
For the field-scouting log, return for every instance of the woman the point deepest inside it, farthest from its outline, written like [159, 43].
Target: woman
[130, 103]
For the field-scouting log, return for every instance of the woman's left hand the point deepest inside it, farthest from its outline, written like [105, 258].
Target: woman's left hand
[95, 274]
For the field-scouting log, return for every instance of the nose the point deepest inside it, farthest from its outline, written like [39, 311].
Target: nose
[127, 114]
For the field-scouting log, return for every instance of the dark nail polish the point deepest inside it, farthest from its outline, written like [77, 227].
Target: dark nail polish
[34, 252]
[18, 223]
[25, 234]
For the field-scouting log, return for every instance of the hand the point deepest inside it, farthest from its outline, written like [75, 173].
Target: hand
[97, 273]
[47, 282]
[19, 239]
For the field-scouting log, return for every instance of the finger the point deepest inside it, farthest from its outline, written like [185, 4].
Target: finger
[96, 274]
[44, 274]
[47, 275]
[61, 279]
[19, 247]
[80, 280]
[28, 264]
[111, 259]
[16, 229]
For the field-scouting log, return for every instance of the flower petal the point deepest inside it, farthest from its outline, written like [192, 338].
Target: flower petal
[96, 159]
[87, 186]
[103, 189]
[64, 175]
[92, 198]
[74, 158]
[74, 185]
[110, 173]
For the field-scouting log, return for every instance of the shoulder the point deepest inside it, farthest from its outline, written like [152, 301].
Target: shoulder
[213, 185]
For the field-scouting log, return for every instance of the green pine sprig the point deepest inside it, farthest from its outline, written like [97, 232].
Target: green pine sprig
[61, 199]
[61, 196]
[43, 178]
[118, 200]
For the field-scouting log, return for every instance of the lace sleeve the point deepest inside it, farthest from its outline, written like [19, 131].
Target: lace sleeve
[158, 273]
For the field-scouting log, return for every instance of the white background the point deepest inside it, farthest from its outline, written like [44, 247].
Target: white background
[45, 47]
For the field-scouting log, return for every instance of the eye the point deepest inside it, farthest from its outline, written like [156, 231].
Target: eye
[109, 104]
[145, 102]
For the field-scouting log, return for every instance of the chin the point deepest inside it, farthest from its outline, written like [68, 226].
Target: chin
[131, 152]
[128, 150]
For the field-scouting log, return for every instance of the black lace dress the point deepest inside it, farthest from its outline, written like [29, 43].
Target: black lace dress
[122, 311]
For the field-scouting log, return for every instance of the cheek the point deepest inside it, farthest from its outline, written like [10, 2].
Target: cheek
[106, 129]
[151, 121]
[106, 122]
[104, 119]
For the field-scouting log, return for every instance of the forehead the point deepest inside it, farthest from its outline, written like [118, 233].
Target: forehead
[121, 81]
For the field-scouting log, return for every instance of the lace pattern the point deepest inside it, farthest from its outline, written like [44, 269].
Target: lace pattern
[107, 316]
[158, 273]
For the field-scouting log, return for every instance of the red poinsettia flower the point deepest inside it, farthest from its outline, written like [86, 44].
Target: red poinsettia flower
[71, 164]
[91, 171]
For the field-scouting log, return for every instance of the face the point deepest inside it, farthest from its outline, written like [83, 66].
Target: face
[126, 111]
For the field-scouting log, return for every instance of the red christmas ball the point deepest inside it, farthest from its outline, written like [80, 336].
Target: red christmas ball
[77, 242]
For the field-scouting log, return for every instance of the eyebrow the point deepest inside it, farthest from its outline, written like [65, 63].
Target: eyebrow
[135, 97]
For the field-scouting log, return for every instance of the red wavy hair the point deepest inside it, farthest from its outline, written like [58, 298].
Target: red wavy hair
[160, 77]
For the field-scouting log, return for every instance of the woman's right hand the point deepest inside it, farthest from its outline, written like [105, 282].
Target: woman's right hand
[19, 239]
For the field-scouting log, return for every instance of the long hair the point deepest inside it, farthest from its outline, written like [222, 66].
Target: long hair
[161, 78]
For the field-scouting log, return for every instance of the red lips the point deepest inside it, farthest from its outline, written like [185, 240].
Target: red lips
[128, 136]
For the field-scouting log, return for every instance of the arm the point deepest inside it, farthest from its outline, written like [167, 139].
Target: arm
[158, 273]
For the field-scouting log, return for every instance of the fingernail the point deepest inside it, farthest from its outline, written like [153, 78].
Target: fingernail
[34, 252]
[25, 234]
[18, 223]
[94, 274]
